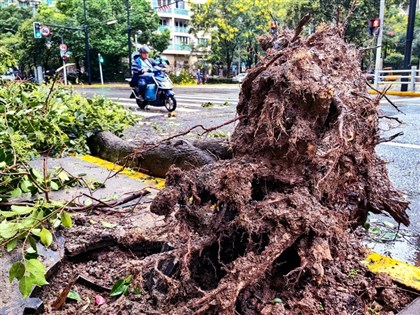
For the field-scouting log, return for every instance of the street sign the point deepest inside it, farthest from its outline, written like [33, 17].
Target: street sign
[63, 47]
[45, 31]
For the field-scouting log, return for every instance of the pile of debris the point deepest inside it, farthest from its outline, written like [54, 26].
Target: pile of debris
[270, 230]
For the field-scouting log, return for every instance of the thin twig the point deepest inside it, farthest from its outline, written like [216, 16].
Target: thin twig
[388, 139]
[382, 94]
[391, 118]
[206, 130]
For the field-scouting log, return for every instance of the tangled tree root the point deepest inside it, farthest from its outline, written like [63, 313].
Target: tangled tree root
[269, 232]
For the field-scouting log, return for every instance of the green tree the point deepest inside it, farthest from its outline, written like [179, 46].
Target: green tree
[66, 21]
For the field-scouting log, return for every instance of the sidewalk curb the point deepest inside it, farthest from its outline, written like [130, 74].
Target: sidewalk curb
[397, 93]
[412, 309]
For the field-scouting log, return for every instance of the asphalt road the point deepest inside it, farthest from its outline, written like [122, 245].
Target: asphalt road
[402, 153]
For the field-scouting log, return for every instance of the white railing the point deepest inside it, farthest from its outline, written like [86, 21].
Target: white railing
[398, 77]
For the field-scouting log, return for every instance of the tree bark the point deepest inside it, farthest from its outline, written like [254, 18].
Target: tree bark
[156, 158]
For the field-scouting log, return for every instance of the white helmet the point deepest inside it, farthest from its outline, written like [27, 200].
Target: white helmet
[143, 49]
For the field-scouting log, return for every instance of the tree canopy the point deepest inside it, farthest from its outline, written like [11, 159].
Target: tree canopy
[66, 22]
[235, 25]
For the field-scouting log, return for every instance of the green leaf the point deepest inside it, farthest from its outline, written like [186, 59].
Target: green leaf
[376, 230]
[389, 236]
[25, 285]
[54, 186]
[277, 300]
[108, 225]
[36, 232]
[8, 214]
[38, 279]
[32, 242]
[38, 176]
[25, 186]
[37, 271]
[34, 266]
[66, 220]
[119, 288]
[46, 237]
[63, 176]
[7, 229]
[16, 193]
[3, 164]
[16, 271]
[21, 210]
[73, 295]
[11, 245]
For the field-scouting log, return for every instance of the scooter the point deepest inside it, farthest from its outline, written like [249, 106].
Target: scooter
[158, 93]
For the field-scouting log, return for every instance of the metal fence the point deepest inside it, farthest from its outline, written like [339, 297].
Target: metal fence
[398, 78]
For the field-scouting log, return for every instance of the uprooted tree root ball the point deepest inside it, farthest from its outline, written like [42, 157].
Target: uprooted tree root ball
[269, 232]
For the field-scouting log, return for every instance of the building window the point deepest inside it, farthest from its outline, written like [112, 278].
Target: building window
[203, 41]
[163, 2]
[181, 40]
[180, 5]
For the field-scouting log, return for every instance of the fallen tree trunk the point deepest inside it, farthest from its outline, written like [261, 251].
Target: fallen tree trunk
[156, 158]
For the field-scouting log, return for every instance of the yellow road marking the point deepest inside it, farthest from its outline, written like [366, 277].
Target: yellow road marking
[399, 271]
[158, 183]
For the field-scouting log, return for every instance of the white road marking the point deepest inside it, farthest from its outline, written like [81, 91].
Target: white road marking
[402, 145]
[407, 100]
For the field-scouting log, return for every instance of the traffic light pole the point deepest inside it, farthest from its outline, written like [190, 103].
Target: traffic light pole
[378, 63]
[64, 63]
[409, 41]
[86, 30]
[127, 3]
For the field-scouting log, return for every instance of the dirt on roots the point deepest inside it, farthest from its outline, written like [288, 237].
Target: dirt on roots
[271, 230]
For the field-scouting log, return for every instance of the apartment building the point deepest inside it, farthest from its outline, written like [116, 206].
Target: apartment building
[183, 51]
[24, 3]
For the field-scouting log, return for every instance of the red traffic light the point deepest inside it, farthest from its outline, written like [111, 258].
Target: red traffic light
[374, 26]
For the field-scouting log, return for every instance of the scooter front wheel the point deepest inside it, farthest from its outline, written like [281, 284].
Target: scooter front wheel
[170, 103]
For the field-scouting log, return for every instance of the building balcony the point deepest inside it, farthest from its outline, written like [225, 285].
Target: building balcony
[181, 47]
[176, 29]
[181, 11]
[181, 29]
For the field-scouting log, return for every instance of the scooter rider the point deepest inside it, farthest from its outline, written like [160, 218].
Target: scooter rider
[142, 64]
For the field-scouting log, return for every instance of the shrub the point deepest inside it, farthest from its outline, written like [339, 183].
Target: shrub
[34, 120]
[394, 60]
[183, 78]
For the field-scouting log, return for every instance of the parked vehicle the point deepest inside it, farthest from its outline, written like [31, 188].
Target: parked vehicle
[8, 76]
[158, 93]
[239, 78]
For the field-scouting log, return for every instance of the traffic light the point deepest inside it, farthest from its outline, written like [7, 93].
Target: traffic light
[274, 27]
[374, 26]
[37, 30]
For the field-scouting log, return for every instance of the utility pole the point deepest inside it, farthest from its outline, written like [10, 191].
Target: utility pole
[127, 3]
[409, 41]
[86, 30]
[378, 63]
[100, 59]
